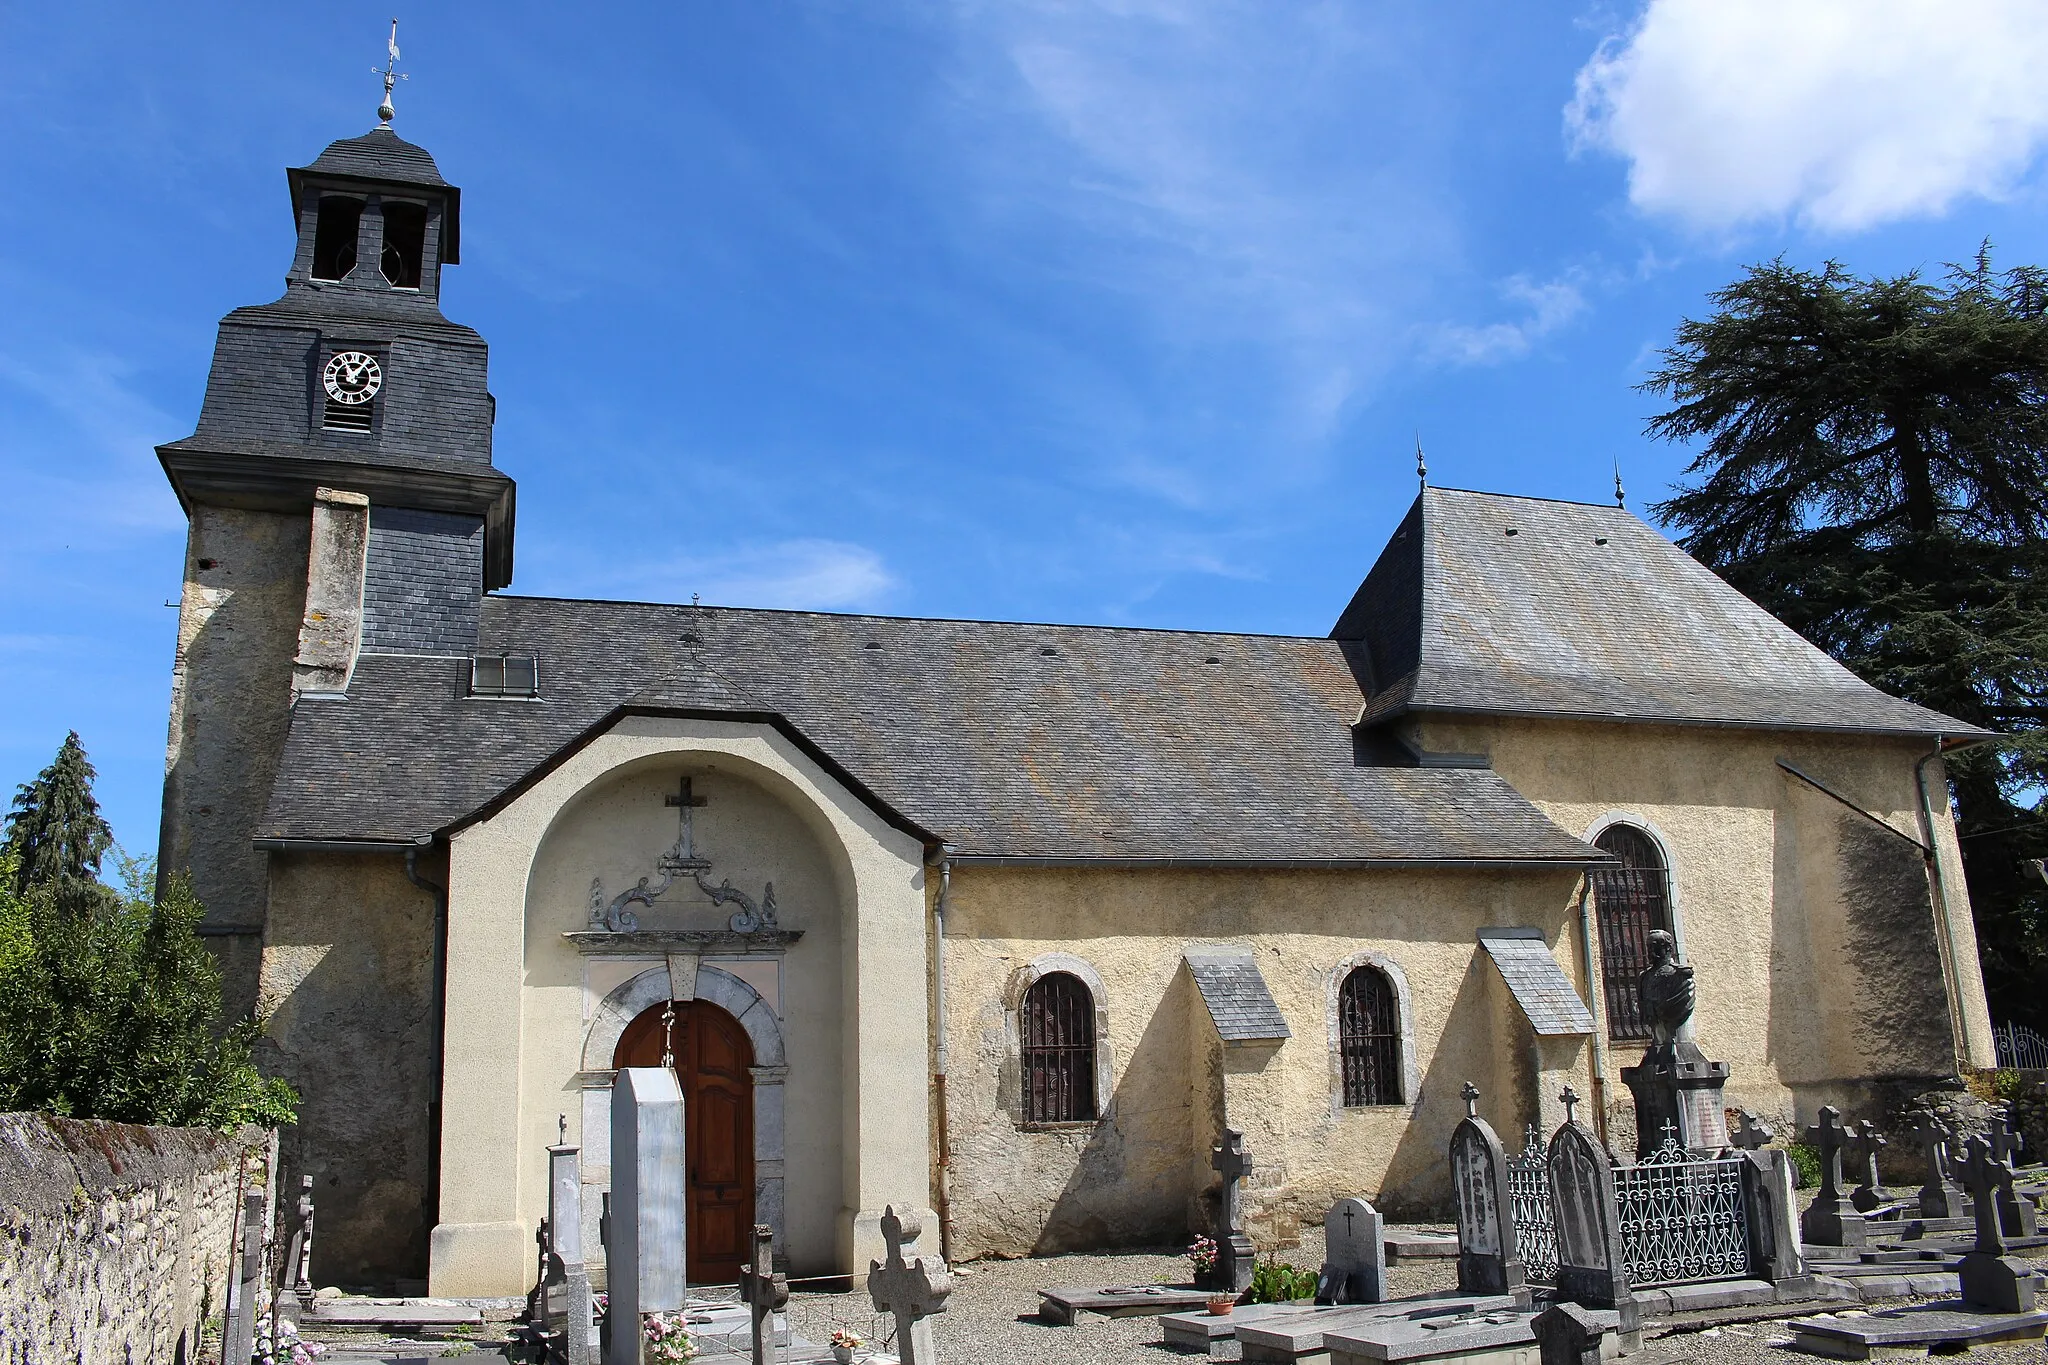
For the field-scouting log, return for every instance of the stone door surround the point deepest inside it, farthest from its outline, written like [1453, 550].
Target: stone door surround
[688, 979]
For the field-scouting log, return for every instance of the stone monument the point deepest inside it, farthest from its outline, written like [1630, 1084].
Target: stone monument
[1768, 1185]
[644, 1271]
[763, 1291]
[1354, 1255]
[1830, 1220]
[1488, 1260]
[1674, 1083]
[1991, 1280]
[1864, 1144]
[910, 1289]
[566, 1266]
[1940, 1197]
[1234, 1250]
[1591, 1268]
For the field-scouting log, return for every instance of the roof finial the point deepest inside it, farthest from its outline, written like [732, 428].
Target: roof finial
[1620, 496]
[1421, 468]
[391, 76]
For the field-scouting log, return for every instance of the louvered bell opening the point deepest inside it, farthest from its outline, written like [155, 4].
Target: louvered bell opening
[1629, 901]
[348, 416]
[504, 675]
[1369, 1040]
[1058, 1026]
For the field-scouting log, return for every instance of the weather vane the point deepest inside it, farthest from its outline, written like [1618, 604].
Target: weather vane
[1620, 497]
[391, 76]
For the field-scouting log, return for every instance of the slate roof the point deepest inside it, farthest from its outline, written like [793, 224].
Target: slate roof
[379, 154]
[1523, 606]
[1539, 985]
[1004, 740]
[1240, 1005]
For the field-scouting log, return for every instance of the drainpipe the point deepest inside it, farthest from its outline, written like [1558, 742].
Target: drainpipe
[1944, 916]
[437, 1023]
[1595, 1004]
[941, 1056]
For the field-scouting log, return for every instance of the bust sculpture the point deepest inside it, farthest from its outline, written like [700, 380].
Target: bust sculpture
[1665, 991]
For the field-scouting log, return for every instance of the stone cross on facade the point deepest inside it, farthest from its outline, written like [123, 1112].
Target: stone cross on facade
[910, 1289]
[762, 1290]
[1830, 1220]
[1864, 1144]
[1234, 1252]
[1751, 1133]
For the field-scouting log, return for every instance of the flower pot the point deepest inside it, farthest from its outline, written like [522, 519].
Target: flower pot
[1221, 1304]
[843, 1354]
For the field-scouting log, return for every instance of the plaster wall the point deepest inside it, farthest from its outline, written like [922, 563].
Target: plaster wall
[1140, 1175]
[500, 1099]
[347, 995]
[1820, 958]
[615, 830]
[231, 698]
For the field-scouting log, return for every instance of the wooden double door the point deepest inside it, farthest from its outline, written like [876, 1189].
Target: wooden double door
[712, 1059]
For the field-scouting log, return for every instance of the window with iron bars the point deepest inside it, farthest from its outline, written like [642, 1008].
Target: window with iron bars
[1057, 1025]
[1369, 1039]
[504, 675]
[1630, 898]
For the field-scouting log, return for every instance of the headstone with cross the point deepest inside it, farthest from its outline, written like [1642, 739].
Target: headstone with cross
[1234, 1251]
[910, 1288]
[2016, 1214]
[1354, 1254]
[1990, 1279]
[1830, 1220]
[1860, 1154]
[1489, 1262]
[1751, 1133]
[1592, 1269]
[1772, 1224]
[763, 1291]
[1940, 1197]
[567, 1271]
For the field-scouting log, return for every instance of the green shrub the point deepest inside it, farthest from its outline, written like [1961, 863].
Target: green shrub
[1806, 1161]
[1275, 1282]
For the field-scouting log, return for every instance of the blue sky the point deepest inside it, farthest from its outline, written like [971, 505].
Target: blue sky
[1125, 311]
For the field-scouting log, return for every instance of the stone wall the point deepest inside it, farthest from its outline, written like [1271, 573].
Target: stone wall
[114, 1238]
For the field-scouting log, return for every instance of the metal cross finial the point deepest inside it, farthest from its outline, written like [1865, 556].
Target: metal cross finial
[389, 71]
[1670, 1132]
[1471, 1097]
[1421, 468]
[562, 1129]
[1571, 1104]
[1620, 496]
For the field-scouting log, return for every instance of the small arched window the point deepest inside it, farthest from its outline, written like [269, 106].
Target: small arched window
[334, 236]
[1369, 1039]
[1056, 1023]
[1631, 896]
[405, 243]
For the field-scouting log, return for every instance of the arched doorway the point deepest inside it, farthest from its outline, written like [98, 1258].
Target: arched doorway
[712, 1059]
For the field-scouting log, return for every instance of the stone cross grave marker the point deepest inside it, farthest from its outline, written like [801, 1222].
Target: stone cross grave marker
[1355, 1254]
[1488, 1260]
[763, 1291]
[567, 1267]
[909, 1288]
[2016, 1214]
[1751, 1133]
[1830, 1220]
[1234, 1252]
[1940, 1197]
[644, 1273]
[299, 1259]
[1861, 1154]
[1592, 1270]
[1990, 1279]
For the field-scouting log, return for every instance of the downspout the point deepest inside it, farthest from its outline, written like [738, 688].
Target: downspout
[437, 1022]
[1595, 1004]
[941, 1057]
[1951, 974]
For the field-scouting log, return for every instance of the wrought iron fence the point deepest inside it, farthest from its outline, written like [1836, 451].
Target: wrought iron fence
[2020, 1047]
[1682, 1217]
[1529, 1198]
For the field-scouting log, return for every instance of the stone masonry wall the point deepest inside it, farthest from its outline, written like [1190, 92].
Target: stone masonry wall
[114, 1239]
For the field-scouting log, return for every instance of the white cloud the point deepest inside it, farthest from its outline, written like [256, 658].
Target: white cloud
[1841, 114]
[1550, 306]
[808, 575]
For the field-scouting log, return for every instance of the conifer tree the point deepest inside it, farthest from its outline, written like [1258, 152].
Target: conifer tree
[1872, 468]
[54, 830]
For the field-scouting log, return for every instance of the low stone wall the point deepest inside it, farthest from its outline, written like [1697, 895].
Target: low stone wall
[114, 1239]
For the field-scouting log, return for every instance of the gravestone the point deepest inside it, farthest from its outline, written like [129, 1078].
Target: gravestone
[763, 1291]
[1861, 1154]
[1772, 1210]
[1591, 1270]
[1751, 1133]
[1234, 1252]
[298, 1259]
[1990, 1279]
[1940, 1197]
[245, 1304]
[1567, 1334]
[1830, 1220]
[2017, 1216]
[1354, 1255]
[910, 1289]
[644, 1257]
[1674, 1083]
[567, 1267]
[1488, 1260]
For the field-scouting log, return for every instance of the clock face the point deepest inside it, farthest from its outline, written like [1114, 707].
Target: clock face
[353, 377]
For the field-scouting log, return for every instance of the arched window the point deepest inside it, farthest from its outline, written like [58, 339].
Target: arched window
[405, 239]
[1057, 1025]
[1632, 896]
[334, 236]
[1369, 1037]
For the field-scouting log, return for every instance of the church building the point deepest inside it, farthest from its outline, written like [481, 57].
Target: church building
[1005, 922]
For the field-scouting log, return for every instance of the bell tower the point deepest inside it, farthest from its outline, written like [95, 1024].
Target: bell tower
[341, 503]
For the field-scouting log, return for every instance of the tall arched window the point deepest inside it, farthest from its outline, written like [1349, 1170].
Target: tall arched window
[1057, 1025]
[1369, 1038]
[1632, 896]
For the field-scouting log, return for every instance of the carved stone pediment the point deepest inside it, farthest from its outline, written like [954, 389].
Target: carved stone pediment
[614, 915]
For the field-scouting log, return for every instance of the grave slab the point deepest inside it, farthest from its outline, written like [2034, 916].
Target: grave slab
[1302, 1337]
[1415, 1244]
[1205, 1331]
[1507, 1337]
[1942, 1326]
[392, 1313]
[1061, 1306]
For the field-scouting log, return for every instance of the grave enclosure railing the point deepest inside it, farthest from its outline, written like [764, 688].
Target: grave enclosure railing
[1683, 1216]
[2020, 1047]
